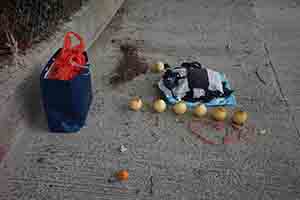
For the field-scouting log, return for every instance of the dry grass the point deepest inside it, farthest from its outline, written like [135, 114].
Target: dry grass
[14, 49]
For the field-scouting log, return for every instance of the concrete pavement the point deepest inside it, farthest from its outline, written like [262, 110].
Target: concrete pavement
[164, 159]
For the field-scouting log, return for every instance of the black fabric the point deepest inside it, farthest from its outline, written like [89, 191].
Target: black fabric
[167, 66]
[197, 78]
[191, 65]
[171, 80]
[227, 92]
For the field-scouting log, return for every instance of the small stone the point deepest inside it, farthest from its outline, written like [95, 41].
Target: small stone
[40, 160]
[227, 46]
[111, 180]
[262, 131]
[123, 149]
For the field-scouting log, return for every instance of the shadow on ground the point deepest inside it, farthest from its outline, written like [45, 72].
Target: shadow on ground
[31, 99]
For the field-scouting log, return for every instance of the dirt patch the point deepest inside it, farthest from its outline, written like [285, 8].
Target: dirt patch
[211, 132]
[131, 65]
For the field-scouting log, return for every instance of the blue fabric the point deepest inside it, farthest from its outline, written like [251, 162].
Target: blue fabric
[229, 101]
[66, 103]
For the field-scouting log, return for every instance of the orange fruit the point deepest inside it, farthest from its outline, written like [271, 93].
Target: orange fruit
[122, 175]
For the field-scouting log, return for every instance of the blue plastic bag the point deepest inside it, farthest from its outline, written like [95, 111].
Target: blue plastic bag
[66, 102]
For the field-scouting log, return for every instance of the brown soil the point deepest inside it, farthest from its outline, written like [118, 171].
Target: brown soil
[131, 65]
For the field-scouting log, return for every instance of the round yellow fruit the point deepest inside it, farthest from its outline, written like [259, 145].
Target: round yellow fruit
[159, 105]
[219, 114]
[135, 104]
[240, 117]
[158, 67]
[200, 110]
[180, 108]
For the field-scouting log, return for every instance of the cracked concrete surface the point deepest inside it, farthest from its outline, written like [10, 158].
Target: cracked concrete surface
[164, 159]
[282, 36]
